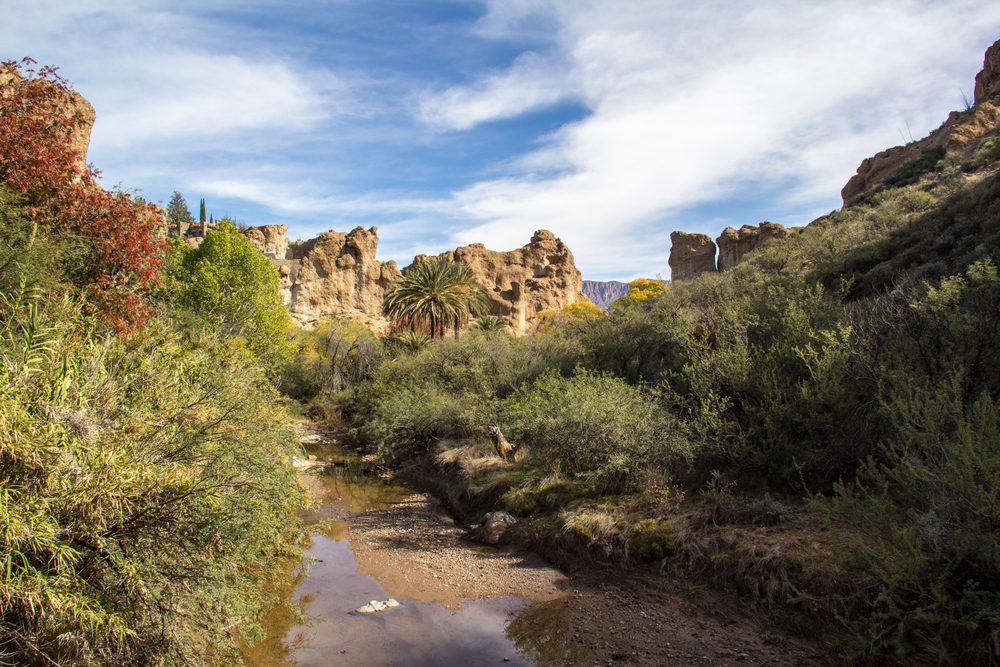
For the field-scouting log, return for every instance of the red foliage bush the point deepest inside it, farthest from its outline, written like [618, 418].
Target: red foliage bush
[44, 128]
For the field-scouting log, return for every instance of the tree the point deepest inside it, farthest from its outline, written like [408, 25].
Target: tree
[178, 214]
[201, 214]
[236, 289]
[435, 295]
[639, 290]
[40, 158]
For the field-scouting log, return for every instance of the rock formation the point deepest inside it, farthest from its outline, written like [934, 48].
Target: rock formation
[603, 292]
[735, 243]
[333, 275]
[954, 142]
[73, 115]
[337, 273]
[690, 255]
[524, 282]
[270, 240]
[988, 80]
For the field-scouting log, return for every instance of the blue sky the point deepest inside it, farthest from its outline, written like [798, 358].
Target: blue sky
[446, 123]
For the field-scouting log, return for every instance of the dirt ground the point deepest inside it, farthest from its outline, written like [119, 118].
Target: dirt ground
[607, 617]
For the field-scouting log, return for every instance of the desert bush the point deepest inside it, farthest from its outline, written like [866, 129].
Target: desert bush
[332, 356]
[650, 539]
[142, 483]
[595, 427]
[405, 420]
[929, 499]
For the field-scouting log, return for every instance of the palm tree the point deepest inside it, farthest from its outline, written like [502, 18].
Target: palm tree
[491, 324]
[436, 295]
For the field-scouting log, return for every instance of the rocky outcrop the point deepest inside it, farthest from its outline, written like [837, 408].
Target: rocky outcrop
[988, 80]
[272, 240]
[72, 116]
[337, 274]
[735, 243]
[522, 283]
[603, 292]
[955, 142]
[690, 255]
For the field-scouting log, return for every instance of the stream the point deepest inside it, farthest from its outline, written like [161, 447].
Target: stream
[337, 577]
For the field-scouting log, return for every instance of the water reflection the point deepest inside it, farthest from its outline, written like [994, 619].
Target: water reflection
[326, 632]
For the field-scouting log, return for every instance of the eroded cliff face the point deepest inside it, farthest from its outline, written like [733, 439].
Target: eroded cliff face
[271, 240]
[335, 274]
[524, 282]
[694, 254]
[690, 255]
[735, 243]
[955, 142]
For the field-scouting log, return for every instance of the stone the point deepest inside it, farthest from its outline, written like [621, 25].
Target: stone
[376, 606]
[735, 243]
[271, 240]
[690, 255]
[954, 142]
[494, 525]
[522, 283]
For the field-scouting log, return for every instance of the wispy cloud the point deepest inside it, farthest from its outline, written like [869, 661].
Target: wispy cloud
[631, 118]
[688, 106]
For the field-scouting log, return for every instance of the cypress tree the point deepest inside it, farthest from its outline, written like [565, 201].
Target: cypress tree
[178, 214]
[201, 217]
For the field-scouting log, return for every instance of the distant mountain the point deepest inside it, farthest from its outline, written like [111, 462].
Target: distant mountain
[603, 292]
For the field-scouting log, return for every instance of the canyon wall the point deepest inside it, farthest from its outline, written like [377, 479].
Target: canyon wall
[337, 275]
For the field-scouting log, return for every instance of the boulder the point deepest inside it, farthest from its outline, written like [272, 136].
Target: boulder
[690, 255]
[735, 243]
[494, 525]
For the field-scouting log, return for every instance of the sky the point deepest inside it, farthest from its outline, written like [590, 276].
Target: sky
[610, 123]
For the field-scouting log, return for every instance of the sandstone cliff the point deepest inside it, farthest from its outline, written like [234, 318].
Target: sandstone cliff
[955, 142]
[271, 240]
[524, 282]
[735, 243]
[690, 255]
[694, 254]
[333, 275]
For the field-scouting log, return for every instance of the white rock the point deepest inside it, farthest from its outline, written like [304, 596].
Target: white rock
[391, 602]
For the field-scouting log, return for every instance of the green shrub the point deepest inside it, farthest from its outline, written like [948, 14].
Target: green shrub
[142, 484]
[595, 427]
[406, 420]
[332, 356]
[929, 501]
[650, 540]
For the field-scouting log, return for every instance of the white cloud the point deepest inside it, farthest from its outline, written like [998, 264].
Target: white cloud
[690, 104]
[530, 83]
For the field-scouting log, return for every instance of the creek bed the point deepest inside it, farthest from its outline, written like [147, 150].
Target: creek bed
[375, 540]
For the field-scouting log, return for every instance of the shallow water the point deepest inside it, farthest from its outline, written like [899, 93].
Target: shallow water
[500, 630]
